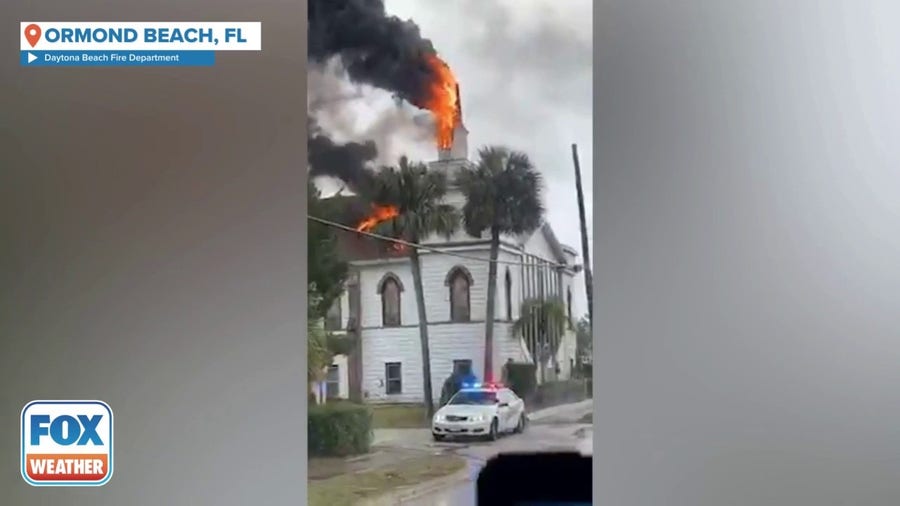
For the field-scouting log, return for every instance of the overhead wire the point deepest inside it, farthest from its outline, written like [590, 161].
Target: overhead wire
[431, 249]
[543, 264]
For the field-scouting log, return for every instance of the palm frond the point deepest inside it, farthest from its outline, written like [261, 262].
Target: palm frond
[418, 195]
[503, 191]
[549, 313]
[443, 219]
[541, 322]
[394, 227]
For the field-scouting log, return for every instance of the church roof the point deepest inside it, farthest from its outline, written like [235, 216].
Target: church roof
[349, 210]
[559, 249]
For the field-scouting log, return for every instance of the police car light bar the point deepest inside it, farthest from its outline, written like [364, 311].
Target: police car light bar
[489, 386]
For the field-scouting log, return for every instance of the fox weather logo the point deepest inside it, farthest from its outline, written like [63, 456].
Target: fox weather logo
[67, 443]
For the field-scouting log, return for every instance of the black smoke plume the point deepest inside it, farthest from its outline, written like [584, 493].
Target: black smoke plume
[347, 162]
[375, 48]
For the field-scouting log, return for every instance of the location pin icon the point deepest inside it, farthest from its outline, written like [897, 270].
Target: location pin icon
[32, 34]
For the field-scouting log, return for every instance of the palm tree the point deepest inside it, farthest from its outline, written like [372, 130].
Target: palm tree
[541, 324]
[418, 195]
[502, 197]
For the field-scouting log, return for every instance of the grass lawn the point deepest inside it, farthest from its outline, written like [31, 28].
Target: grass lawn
[399, 416]
[348, 489]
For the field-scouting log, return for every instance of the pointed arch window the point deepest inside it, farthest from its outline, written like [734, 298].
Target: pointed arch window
[390, 288]
[459, 282]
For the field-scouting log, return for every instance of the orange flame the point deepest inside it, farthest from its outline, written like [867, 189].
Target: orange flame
[380, 214]
[443, 101]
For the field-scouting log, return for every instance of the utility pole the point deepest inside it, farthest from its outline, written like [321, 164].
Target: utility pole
[585, 251]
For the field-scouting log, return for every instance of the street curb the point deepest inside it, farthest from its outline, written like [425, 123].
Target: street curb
[421, 489]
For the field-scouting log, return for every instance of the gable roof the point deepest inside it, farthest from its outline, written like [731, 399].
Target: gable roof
[555, 245]
[559, 249]
[349, 210]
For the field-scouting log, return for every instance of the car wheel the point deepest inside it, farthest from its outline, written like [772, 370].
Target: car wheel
[520, 427]
[494, 434]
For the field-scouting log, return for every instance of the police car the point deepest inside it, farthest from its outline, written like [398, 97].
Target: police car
[480, 410]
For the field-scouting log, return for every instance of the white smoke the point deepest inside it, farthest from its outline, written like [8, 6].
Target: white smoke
[351, 112]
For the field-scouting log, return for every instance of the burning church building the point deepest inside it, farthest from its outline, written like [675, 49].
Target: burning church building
[379, 306]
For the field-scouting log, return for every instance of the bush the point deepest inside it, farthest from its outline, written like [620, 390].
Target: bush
[520, 377]
[560, 392]
[339, 429]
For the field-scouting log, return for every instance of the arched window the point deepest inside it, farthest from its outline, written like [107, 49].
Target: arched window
[389, 288]
[508, 292]
[459, 282]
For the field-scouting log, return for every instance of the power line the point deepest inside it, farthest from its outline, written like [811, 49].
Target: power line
[426, 248]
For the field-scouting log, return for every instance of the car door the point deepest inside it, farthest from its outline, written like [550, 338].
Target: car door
[506, 410]
[517, 407]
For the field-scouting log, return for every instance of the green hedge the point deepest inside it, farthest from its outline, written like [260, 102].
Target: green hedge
[520, 377]
[339, 429]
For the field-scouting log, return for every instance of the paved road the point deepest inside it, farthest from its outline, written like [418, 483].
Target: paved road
[560, 433]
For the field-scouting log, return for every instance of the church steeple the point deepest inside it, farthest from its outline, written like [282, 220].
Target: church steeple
[459, 149]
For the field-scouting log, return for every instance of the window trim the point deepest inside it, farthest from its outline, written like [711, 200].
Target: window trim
[392, 278]
[336, 382]
[463, 360]
[388, 379]
[455, 272]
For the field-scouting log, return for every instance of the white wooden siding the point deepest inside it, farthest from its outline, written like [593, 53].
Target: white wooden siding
[370, 277]
[448, 341]
[435, 268]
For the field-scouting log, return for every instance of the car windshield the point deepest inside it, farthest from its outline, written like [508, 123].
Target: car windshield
[474, 397]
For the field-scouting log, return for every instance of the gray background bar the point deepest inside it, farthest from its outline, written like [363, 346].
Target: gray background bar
[748, 253]
[153, 257]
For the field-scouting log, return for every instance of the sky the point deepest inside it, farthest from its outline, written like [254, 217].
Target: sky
[525, 74]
